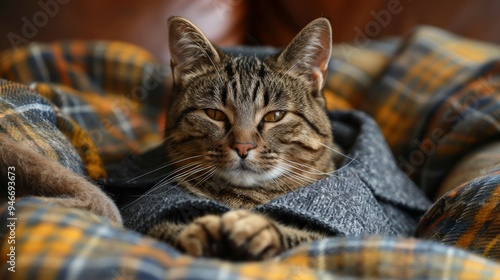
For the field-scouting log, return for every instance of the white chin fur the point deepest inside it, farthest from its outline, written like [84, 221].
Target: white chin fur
[248, 179]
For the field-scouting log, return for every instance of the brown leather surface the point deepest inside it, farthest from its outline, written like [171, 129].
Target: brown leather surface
[143, 23]
[229, 22]
[275, 22]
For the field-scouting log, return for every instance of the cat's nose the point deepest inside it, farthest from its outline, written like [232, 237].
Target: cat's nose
[243, 148]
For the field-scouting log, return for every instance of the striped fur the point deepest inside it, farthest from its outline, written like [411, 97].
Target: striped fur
[279, 155]
[245, 88]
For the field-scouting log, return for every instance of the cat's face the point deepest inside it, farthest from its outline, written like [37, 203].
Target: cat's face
[249, 121]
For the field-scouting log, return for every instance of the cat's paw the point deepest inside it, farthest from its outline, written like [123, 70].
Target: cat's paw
[236, 235]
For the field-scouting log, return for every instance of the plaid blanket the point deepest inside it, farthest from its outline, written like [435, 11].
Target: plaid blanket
[89, 104]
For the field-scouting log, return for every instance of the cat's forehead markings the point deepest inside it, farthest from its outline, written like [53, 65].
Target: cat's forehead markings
[245, 63]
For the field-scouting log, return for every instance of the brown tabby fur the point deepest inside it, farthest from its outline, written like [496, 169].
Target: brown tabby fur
[281, 155]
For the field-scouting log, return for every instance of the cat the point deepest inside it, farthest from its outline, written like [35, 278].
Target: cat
[245, 129]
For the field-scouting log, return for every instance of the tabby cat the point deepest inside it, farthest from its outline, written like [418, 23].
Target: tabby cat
[245, 129]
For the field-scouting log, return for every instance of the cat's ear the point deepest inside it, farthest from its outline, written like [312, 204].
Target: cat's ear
[189, 48]
[309, 52]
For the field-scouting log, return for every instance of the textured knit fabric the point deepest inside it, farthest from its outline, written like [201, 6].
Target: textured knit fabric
[344, 204]
[90, 105]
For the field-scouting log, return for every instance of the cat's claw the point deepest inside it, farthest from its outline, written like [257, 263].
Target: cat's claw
[236, 235]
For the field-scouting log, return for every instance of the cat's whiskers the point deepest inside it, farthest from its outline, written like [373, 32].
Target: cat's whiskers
[352, 159]
[179, 151]
[166, 139]
[182, 173]
[207, 176]
[164, 166]
[207, 172]
[296, 180]
[299, 166]
[288, 187]
[184, 154]
[295, 177]
[300, 177]
[334, 150]
[286, 172]
[332, 173]
[188, 177]
[170, 177]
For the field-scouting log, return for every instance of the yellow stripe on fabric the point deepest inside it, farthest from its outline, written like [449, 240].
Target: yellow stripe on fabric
[395, 122]
[119, 56]
[431, 74]
[482, 215]
[387, 111]
[128, 50]
[84, 146]
[145, 249]
[492, 244]
[471, 52]
[44, 90]
[442, 75]
[10, 60]
[273, 270]
[474, 268]
[46, 239]
[61, 244]
[335, 102]
[75, 134]
[299, 258]
[41, 143]
[369, 260]
[20, 131]
[105, 106]
[386, 116]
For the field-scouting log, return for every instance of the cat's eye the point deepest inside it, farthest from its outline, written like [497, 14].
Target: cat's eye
[274, 116]
[215, 114]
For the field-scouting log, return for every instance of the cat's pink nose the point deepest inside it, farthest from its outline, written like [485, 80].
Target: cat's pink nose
[243, 148]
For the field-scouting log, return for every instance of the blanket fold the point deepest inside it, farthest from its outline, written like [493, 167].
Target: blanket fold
[70, 243]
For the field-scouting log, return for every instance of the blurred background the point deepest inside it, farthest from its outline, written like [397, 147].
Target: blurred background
[229, 22]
